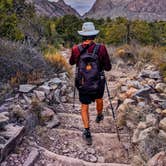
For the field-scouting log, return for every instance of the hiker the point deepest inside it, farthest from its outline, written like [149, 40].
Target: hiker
[91, 60]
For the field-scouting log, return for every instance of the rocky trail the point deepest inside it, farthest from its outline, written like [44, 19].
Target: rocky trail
[54, 129]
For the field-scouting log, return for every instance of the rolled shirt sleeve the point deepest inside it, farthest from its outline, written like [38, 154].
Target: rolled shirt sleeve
[72, 60]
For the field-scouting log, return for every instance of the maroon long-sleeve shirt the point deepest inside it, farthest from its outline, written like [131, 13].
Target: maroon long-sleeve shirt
[103, 56]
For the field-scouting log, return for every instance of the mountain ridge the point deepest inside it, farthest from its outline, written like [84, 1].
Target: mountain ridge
[53, 9]
[149, 10]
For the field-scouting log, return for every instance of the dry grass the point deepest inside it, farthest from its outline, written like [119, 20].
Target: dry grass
[30, 78]
[154, 55]
[142, 55]
[56, 60]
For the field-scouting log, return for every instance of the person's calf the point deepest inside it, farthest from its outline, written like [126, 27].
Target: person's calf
[99, 106]
[85, 115]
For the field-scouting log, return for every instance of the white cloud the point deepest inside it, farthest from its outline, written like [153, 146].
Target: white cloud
[82, 6]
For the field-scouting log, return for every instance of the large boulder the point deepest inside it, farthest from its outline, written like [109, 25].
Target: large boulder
[44, 88]
[64, 76]
[148, 142]
[128, 94]
[150, 120]
[54, 81]
[46, 114]
[162, 124]
[158, 160]
[128, 115]
[144, 92]
[142, 133]
[134, 84]
[145, 133]
[163, 112]
[33, 156]
[151, 82]
[150, 74]
[14, 135]
[54, 122]
[138, 161]
[161, 87]
[3, 120]
[40, 95]
[162, 136]
[26, 88]
[156, 98]
[16, 111]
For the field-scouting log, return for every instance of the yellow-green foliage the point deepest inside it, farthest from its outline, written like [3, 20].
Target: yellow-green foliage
[141, 31]
[58, 61]
[12, 14]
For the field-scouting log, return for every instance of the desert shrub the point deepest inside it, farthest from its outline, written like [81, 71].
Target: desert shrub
[19, 63]
[126, 53]
[155, 55]
[57, 61]
[146, 54]
[141, 55]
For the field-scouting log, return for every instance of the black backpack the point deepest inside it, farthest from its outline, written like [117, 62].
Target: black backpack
[88, 71]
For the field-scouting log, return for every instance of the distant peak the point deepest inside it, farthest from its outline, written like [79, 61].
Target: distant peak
[61, 2]
[53, 8]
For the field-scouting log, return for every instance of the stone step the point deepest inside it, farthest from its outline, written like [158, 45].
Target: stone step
[74, 122]
[53, 159]
[12, 137]
[105, 148]
[4, 119]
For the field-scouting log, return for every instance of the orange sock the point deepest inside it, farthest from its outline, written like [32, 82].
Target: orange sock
[85, 115]
[99, 106]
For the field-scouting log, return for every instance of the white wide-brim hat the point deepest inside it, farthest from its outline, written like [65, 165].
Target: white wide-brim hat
[88, 29]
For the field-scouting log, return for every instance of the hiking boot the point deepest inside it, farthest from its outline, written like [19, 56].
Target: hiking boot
[87, 137]
[99, 118]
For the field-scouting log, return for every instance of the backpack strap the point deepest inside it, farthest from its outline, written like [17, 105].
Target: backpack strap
[80, 48]
[96, 49]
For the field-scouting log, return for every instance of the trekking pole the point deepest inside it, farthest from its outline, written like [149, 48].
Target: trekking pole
[112, 109]
[74, 94]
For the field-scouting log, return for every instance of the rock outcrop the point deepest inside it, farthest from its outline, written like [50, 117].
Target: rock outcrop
[31, 105]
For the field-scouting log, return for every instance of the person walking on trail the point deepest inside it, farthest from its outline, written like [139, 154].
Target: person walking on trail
[91, 60]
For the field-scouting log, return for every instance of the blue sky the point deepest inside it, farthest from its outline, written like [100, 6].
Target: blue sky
[82, 6]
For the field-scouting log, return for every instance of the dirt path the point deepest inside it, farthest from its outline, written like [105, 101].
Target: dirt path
[63, 146]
